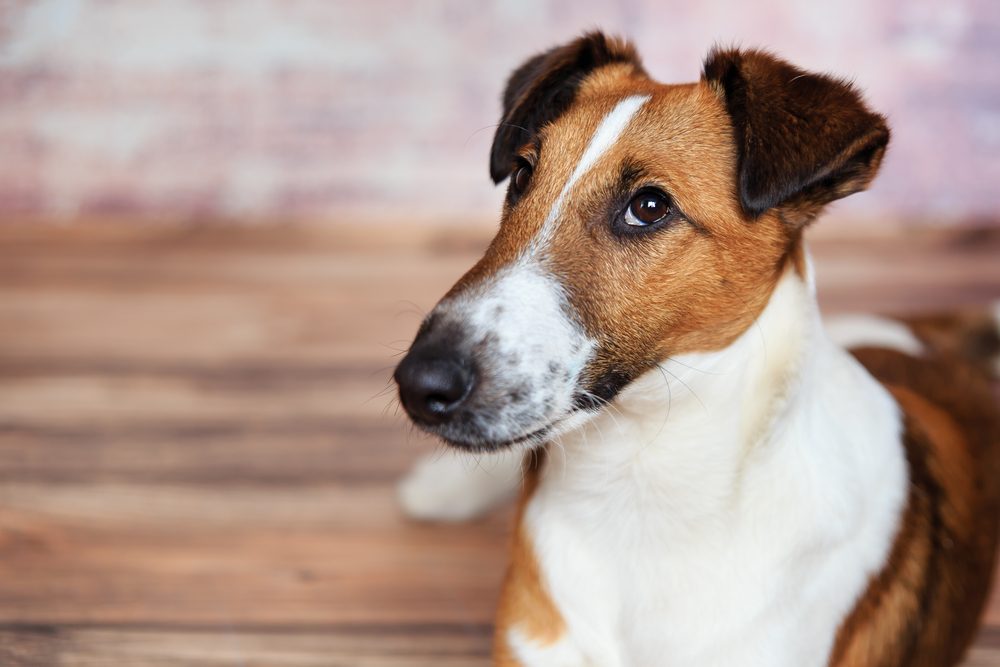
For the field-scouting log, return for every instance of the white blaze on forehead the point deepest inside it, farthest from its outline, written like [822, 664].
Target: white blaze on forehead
[604, 138]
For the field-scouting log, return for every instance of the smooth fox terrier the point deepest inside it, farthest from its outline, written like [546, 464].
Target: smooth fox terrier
[714, 480]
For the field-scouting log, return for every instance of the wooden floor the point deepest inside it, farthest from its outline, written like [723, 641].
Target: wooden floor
[197, 456]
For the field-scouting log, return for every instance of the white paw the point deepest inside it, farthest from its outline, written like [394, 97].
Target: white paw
[455, 486]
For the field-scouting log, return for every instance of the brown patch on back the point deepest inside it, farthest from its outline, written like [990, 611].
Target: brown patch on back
[524, 602]
[969, 334]
[923, 607]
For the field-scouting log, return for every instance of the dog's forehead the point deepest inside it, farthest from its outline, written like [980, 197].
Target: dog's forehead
[675, 108]
[679, 135]
[601, 96]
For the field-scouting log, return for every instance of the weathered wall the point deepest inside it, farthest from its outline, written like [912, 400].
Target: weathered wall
[259, 108]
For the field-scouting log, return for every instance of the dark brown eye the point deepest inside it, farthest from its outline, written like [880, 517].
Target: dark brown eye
[522, 176]
[647, 208]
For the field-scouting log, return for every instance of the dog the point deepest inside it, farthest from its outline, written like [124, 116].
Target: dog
[709, 478]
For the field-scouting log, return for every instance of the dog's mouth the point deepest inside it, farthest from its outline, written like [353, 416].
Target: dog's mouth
[481, 423]
[482, 375]
[532, 438]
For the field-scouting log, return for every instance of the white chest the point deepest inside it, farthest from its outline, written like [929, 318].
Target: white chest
[769, 591]
[675, 543]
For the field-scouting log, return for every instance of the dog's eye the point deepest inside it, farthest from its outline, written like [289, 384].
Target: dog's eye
[647, 208]
[519, 181]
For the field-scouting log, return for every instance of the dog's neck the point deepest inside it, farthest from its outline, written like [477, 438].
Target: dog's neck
[720, 482]
[685, 432]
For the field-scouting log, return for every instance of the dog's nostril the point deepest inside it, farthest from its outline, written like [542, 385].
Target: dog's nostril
[432, 389]
[439, 402]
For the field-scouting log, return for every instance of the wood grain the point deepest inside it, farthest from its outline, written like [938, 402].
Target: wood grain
[197, 448]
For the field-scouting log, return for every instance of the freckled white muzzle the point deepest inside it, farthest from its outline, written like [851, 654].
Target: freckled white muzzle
[496, 364]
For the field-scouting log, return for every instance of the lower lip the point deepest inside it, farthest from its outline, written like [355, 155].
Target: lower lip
[504, 444]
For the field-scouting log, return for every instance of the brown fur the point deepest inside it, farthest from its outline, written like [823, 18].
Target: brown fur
[804, 139]
[524, 602]
[697, 285]
[967, 334]
[695, 288]
[923, 607]
[543, 87]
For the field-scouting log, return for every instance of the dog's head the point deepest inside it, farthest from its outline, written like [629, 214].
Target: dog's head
[642, 221]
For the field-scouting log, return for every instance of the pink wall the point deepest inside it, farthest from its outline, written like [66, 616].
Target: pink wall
[261, 108]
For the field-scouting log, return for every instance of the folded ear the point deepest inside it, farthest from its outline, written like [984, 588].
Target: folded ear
[803, 139]
[542, 88]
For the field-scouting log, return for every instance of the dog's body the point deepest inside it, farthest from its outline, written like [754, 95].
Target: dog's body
[724, 484]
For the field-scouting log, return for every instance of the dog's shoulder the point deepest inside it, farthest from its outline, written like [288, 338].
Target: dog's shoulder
[922, 608]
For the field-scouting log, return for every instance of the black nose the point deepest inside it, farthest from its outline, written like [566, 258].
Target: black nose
[432, 388]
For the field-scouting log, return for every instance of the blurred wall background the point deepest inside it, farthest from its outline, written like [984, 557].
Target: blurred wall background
[382, 110]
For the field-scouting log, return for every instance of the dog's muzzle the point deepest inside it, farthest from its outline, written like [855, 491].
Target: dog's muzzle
[495, 365]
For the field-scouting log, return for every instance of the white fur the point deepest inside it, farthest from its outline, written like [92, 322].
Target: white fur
[561, 653]
[729, 515]
[532, 352]
[860, 330]
[454, 486]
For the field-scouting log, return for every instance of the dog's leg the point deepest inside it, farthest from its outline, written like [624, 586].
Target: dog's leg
[530, 629]
[524, 653]
[455, 486]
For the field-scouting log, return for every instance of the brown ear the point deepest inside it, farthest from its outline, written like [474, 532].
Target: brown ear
[803, 139]
[542, 88]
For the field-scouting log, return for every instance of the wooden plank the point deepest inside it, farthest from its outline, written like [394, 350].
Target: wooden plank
[420, 646]
[76, 553]
[238, 554]
[986, 650]
[123, 399]
[373, 646]
[210, 452]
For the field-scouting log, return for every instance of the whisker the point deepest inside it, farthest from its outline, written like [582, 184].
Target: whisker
[605, 404]
[670, 405]
[490, 127]
[396, 351]
[413, 308]
[385, 390]
[686, 386]
[389, 404]
[383, 369]
[441, 451]
[675, 360]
